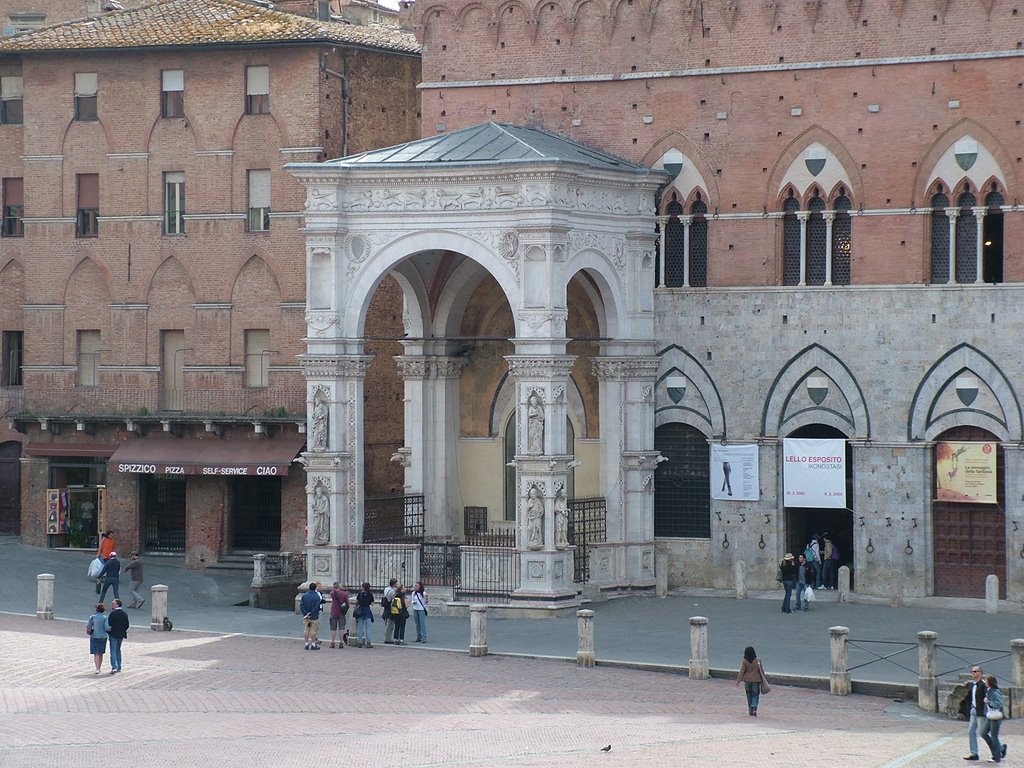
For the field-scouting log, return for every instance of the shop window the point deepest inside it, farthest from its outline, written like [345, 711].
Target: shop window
[87, 222]
[174, 203]
[257, 357]
[86, 88]
[13, 358]
[257, 90]
[682, 494]
[172, 93]
[76, 509]
[88, 358]
[11, 101]
[259, 201]
[13, 208]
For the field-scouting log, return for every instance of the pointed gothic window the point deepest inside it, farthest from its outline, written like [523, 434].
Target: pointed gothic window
[790, 241]
[940, 238]
[699, 244]
[992, 238]
[842, 240]
[966, 239]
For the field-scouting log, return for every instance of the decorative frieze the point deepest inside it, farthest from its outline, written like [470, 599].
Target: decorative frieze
[318, 323]
[543, 368]
[332, 367]
[429, 366]
[626, 368]
[535, 318]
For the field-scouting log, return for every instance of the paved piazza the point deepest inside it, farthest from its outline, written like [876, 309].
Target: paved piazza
[206, 699]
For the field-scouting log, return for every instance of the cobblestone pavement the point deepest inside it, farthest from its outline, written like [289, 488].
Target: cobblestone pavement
[203, 699]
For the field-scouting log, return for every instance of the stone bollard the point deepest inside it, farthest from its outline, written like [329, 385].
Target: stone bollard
[740, 576]
[991, 593]
[896, 585]
[699, 667]
[44, 595]
[158, 595]
[661, 575]
[259, 569]
[839, 680]
[844, 584]
[585, 630]
[1017, 678]
[927, 683]
[478, 630]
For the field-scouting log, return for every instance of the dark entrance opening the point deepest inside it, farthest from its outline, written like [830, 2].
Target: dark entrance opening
[804, 522]
[256, 513]
[10, 488]
[163, 514]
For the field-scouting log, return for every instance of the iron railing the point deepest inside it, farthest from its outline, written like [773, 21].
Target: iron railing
[588, 524]
[488, 574]
[440, 564]
[393, 519]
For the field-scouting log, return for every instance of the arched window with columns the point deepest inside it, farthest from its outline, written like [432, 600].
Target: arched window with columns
[815, 269]
[992, 237]
[675, 245]
[842, 239]
[791, 241]
[966, 238]
[940, 237]
[698, 251]
[683, 247]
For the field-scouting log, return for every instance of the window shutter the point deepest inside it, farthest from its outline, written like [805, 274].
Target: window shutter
[89, 190]
[259, 189]
[14, 191]
[11, 88]
[175, 177]
[173, 80]
[85, 84]
[257, 81]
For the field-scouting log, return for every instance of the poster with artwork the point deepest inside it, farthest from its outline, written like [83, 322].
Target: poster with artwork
[734, 472]
[965, 472]
[814, 472]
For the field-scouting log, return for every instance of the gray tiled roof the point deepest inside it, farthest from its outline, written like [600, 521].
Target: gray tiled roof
[203, 22]
[490, 143]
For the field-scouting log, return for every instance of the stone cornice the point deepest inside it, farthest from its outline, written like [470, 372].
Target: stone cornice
[626, 368]
[540, 367]
[335, 366]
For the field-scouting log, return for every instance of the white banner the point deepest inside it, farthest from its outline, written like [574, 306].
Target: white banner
[814, 473]
[734, 472]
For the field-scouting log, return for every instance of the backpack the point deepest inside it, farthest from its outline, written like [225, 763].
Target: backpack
[809, 554]
[398, 608]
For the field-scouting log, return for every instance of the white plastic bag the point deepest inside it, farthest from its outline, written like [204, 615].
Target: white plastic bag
[809, 594]
[94, 568]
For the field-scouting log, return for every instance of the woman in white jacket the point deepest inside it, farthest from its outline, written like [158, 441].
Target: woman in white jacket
[419, 612]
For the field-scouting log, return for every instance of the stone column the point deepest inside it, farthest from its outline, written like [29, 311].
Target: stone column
[953, 214]
[829, 217]
[430, 455]
[585, 632]
[699, 666]
[802, 217]
[839, 679]
[44, 595]
[478, 630]
[628, 462]
[542, 470]
[686, 221]
[662, 224]
[979, 215]
[927, 683]
[334, 458]
[158, 605]
[1017, 676]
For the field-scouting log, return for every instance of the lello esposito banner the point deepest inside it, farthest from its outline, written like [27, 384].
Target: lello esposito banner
[814, 472]
[965, 472]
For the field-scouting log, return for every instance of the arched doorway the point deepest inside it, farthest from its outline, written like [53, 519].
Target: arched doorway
[804, 522]
[969, 527]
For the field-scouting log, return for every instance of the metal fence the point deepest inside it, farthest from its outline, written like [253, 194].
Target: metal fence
[440, 563]
[393, 519]
[588, 524]
[488, 574]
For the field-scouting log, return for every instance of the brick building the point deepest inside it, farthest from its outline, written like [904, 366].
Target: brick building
[834, 255]
[152, 273]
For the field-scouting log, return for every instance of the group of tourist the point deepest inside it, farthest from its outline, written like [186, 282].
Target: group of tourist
[396, 606]
[113, 627]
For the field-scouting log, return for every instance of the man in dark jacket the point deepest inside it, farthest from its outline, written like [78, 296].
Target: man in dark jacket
[111, 576]
[118, 631]
[309, 607]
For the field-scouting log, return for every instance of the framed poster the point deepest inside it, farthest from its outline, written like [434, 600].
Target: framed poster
[734, 472]
[965, 472]
[814, 472]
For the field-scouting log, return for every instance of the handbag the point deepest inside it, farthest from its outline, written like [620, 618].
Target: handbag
[993, 714]
[778, 575]
[765, 687]
[358, 612]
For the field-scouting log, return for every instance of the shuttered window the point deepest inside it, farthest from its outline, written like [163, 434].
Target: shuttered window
[257, 90]
[259, 201]
[172, 95]
[86, 88]
[11, 101]
[87, 224]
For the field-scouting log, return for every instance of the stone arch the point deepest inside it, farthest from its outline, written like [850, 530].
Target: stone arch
[601, 272]
[926, 176]
[12, 293]
[457, 293]
[255, 278]
[86, 304]
[789, 158]
[784, 412]
[415, 318]
[501, 10]
[929, 416]
[69, 138]
[369, 274]
[163, 126]
[578, 5]
[697, 167]
[258, 133]
[708, 415]
[465, 12]
[272, 264]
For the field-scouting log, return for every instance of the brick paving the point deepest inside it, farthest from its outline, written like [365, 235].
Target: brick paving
[197, 699]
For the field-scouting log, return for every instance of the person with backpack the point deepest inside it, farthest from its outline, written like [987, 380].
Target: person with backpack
[309, 607]
[399, 614]
[339, 609]
[364, 616]
[813, 558]
[804, 577]
[385, 604]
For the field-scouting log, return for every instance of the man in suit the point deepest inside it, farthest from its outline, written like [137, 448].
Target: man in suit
[977, 700]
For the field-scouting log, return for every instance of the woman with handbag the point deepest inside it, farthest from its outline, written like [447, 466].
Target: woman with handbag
[753, 678]
[419, 611]
[364, 616]
[96, 628]
[994, 713]
[399, 614]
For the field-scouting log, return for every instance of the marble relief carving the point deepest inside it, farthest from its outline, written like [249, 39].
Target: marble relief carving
[321, 512]
[534, 519]
[561, 517]
[320, 421]
[535, 424]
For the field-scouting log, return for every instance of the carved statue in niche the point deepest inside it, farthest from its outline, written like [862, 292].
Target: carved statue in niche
[561, 519]
[534, 519]
[534, 424]
[320, 422]
[321, 514]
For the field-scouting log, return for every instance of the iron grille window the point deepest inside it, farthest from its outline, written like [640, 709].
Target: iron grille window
[699, 245]
[675, 252]
[966, 240]
[790, 242]
[940, 239]
[842, 241]
[682, 496]
[992, 255]
[816, 242]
